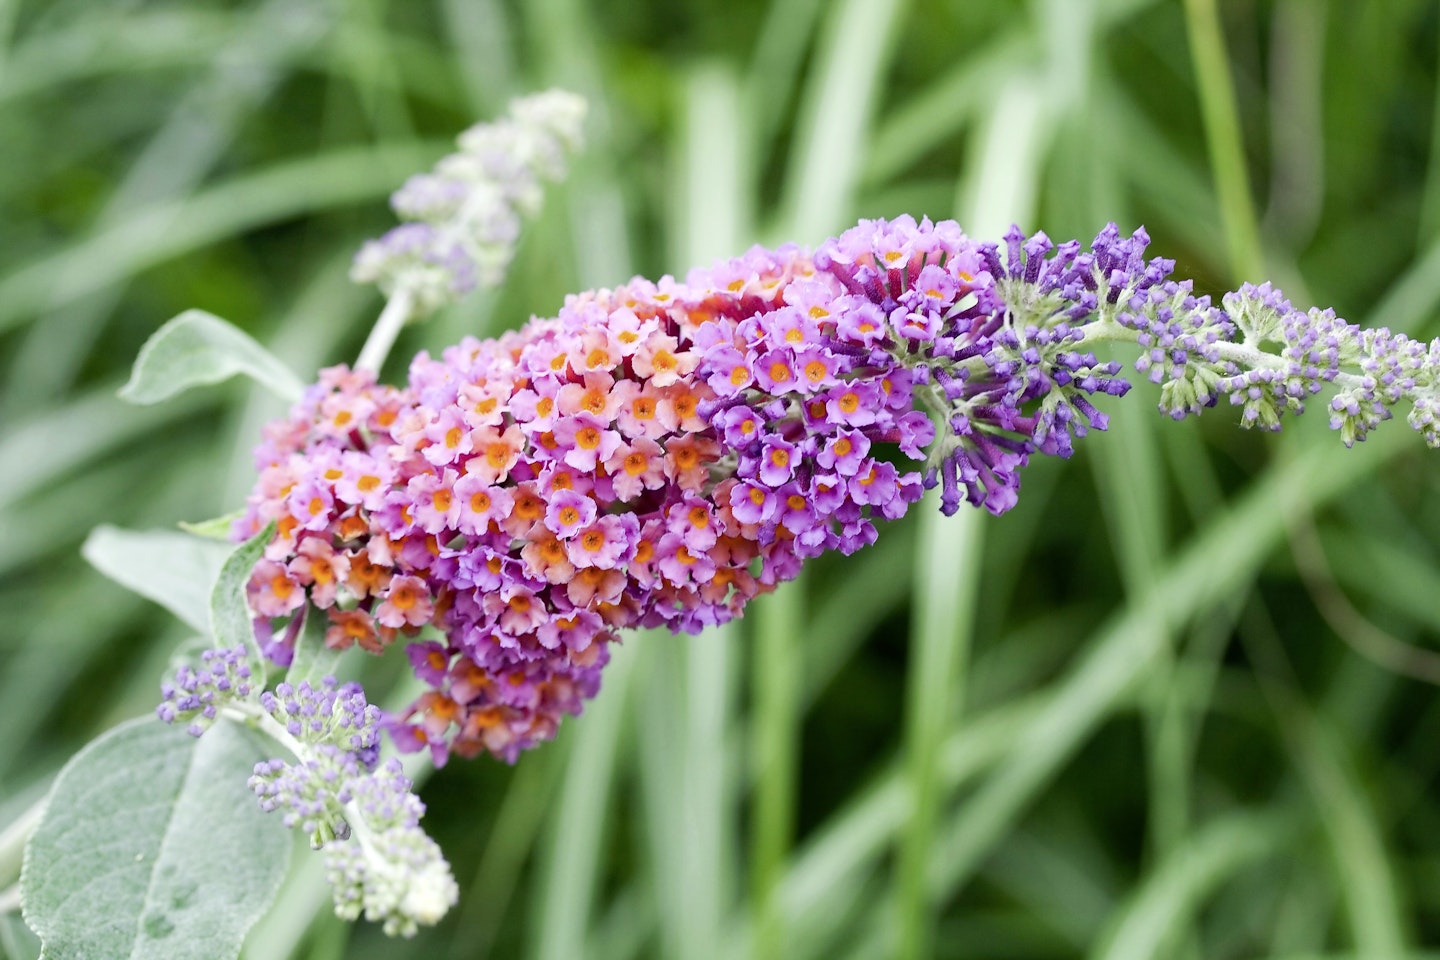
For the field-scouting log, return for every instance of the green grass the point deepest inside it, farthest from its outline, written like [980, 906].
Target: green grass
[1142, 715]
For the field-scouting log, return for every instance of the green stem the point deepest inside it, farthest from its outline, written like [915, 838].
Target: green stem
[1222, 135]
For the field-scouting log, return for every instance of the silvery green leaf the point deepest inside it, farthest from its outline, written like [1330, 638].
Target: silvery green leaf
[313, 660]
[231, 622]
[199, 348]
[152, 848]
[173, 569]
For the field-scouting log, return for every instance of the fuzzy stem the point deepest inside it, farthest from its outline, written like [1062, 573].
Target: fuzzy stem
[398, 311]
[255, 716]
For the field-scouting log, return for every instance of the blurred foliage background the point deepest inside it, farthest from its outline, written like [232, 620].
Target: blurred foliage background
[1179, 703]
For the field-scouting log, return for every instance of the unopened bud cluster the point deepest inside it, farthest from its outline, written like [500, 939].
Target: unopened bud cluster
[464, 217]
[363, 814]
[195, 695]
[391, 872]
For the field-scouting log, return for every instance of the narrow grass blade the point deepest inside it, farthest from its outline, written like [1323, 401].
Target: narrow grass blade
[840, 95]
[948, 560]
[572, 861]
[340, 177]
[1222, 135]
[1176, 890]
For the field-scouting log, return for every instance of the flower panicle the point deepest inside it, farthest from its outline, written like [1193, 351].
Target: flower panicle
[662, 452]
[462, 220]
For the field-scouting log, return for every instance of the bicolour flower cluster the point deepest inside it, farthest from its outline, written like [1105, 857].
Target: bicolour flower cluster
[361, 813]
[656, 454]
[463, 219]
[660, 453]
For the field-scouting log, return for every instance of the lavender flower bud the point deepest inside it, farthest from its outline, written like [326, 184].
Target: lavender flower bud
[195, 696]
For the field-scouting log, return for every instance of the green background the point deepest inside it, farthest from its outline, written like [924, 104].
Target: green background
[1179, 703]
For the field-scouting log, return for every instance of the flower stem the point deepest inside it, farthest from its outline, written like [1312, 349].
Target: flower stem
[397, 312]
[254, 716]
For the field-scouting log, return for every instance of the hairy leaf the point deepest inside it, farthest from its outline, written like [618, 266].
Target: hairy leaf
[230, 620]
[199, 348]
[173, 569]
[153, 849]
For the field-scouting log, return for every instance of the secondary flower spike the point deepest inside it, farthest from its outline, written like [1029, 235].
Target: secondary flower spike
[660, 453]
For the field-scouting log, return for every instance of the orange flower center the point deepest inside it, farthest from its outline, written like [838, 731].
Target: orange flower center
[594, 401]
